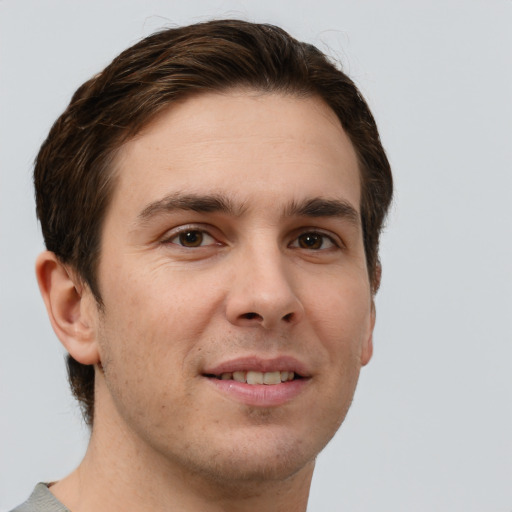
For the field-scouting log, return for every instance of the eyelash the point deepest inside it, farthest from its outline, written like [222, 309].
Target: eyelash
[295, 242]
[187, 231]
[318, 235]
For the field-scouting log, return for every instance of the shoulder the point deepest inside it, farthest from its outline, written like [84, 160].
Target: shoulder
[41, 500]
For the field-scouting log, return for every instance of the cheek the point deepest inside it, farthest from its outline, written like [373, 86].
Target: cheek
[161, 297]
[143, 363]
[153, 322]
[342, 323]
[342, 314]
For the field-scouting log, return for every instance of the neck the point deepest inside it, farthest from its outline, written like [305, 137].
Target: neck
[119, 472]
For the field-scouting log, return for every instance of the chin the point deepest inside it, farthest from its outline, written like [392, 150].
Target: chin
[256, 456]
[240, 473]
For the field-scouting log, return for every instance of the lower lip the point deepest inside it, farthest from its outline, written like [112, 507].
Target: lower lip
[260, 395]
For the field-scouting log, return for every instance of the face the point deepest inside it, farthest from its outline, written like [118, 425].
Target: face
[237, 308]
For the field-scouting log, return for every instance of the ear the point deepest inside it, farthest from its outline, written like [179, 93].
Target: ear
[71, 308]
[377, 278]
[367, 349]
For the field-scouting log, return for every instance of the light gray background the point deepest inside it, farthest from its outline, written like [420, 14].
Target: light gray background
[431, 426]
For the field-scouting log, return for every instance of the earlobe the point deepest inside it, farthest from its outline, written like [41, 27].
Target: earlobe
[367, 351]
[70, 306]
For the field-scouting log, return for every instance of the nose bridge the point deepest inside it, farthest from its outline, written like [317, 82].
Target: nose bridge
[263, 291]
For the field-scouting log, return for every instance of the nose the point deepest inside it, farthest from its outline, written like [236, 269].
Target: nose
[263, 292]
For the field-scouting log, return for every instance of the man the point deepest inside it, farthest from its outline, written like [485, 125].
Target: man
[211, 204]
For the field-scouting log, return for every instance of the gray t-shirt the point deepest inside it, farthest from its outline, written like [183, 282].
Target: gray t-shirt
[41, 500]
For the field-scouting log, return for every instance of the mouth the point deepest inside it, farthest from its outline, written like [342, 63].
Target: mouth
[253, 377]
[260, 382]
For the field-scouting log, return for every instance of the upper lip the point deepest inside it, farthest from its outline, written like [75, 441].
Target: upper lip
[259, 364]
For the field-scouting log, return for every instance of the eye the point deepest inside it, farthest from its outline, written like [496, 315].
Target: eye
[313, 241]
[192, 238]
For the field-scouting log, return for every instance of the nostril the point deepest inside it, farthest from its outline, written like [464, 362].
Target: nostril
[252, 316]
[288, 317]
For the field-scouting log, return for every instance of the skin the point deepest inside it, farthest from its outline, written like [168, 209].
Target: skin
[262, 279]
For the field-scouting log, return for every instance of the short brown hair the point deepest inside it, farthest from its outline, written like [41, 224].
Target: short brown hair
[73, 178]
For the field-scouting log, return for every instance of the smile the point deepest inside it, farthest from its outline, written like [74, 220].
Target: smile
[260, 382]
[255, 377]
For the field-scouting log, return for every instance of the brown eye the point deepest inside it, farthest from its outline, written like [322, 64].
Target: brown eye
[191, 238]
[311, 241]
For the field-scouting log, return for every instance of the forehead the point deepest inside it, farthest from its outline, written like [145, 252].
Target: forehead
[249, 145]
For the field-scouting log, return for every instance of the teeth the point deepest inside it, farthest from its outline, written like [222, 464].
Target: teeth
[272, 378]
[239, 376]
[252, 377]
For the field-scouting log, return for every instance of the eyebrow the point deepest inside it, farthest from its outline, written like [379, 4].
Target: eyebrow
[320, 207]
[218, 203]
[198, 203]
